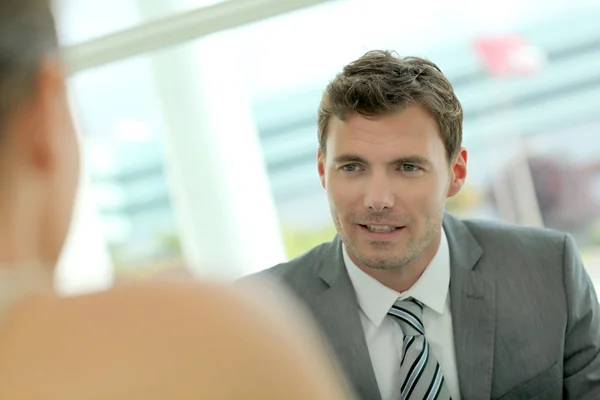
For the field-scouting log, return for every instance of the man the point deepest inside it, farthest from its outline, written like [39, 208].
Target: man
[506, 311]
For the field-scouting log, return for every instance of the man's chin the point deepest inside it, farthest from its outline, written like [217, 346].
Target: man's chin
[376, 261]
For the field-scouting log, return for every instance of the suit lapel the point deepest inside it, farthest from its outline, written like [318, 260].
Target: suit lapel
[338, 312]
[472, 295]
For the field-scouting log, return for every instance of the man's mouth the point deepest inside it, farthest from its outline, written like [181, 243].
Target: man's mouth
[381, 228]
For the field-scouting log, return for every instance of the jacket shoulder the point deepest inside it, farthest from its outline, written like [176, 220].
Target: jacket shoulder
[300, 275]
[515, 250]
[307, 261]
[499, 232]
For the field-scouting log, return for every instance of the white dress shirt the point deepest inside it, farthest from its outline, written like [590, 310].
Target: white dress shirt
[384, 335]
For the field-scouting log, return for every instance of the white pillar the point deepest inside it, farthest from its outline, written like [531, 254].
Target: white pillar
[85, 264]
[221, 193]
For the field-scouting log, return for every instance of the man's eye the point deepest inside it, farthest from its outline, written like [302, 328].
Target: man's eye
[409, 168]
[350, 168]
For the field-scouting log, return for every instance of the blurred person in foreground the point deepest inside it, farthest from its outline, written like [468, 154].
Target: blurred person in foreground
[416, 303]
[146, 341]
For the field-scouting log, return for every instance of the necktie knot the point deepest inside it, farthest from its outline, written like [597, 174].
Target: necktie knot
[409, 314]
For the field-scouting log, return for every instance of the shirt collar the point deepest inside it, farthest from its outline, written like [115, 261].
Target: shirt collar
[376, 299]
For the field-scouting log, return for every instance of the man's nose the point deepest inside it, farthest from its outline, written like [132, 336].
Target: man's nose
[379, 195]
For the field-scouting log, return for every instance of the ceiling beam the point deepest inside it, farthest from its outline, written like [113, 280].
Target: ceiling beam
[177, 29]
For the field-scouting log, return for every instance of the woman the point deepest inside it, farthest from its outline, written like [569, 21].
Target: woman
[147, 341]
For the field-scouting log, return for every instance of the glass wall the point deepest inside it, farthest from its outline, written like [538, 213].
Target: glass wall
[525, 71]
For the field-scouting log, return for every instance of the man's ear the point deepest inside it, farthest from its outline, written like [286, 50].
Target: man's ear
[321, 167]
[458, 172]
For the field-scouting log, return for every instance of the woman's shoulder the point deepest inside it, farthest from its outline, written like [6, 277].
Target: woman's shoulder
[127, 315]
[157, 339]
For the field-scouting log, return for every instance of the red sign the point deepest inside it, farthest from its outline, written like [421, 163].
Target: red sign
[509, 55]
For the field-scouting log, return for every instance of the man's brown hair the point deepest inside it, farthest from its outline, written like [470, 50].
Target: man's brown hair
[27, 36]
[380, 83]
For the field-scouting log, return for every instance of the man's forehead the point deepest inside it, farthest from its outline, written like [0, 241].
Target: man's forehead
[383, 143]
[381, 139]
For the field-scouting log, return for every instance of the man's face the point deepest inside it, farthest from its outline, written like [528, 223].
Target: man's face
[387, 180]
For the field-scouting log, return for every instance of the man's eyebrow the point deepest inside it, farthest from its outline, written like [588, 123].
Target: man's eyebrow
[414, 159]
[350, 158]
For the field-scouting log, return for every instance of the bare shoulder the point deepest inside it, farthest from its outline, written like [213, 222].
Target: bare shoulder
[163, 340]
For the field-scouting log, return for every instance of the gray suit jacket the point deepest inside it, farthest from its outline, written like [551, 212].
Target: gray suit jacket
[525, 314]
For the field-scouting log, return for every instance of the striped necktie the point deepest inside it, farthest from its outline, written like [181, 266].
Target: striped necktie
[422, 377]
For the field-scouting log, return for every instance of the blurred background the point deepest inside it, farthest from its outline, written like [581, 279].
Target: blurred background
[198, 122]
